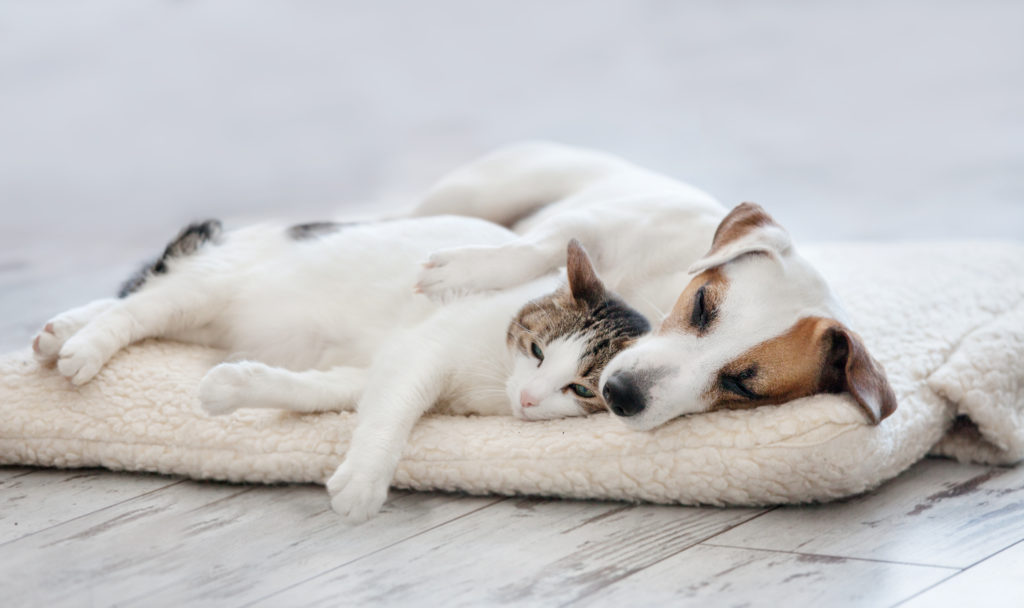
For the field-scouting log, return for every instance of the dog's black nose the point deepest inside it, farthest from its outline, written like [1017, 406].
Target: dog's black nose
[624, 395]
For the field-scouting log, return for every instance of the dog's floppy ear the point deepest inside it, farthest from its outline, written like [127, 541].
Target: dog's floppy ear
[584, 283]
[848, 367]
[747, 229]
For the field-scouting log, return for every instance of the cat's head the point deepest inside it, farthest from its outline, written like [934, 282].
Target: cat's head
[561, 343]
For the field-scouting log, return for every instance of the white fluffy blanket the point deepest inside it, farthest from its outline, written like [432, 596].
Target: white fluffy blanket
[946, 321]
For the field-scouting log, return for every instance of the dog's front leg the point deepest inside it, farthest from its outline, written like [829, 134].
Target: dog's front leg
[449, 272]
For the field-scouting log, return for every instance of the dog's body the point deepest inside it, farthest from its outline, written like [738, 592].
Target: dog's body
[750, 321]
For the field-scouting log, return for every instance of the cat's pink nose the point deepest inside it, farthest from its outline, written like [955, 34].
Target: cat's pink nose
[527, 400]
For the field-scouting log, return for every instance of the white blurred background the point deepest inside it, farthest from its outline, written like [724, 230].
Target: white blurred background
[122, 119]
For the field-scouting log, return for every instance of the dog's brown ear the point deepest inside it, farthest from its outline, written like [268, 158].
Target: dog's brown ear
[585, 285]
[848, 367]
[746, 229]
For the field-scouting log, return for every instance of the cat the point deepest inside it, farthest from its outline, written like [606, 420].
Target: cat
[326, 318]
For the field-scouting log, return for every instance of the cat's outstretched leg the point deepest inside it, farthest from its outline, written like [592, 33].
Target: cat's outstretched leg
[404, 384]
[181, 290]
[48, 342]
[158, 310]
[250, 384]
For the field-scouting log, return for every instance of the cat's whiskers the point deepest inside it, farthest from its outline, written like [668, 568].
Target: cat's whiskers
[523, 327]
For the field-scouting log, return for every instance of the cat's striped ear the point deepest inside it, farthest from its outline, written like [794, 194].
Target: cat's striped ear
[584, 283]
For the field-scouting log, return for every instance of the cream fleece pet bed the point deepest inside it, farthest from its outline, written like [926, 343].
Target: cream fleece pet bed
[947, 322]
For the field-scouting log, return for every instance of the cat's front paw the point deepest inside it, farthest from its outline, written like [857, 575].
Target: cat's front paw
[226, 387]
[357, 495]
[79, 361]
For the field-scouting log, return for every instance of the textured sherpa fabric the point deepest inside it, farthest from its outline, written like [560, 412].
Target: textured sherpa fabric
[946, 321]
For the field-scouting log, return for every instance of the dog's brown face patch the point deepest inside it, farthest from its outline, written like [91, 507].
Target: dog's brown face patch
[775, 371]
[816, 355]
[696, 309]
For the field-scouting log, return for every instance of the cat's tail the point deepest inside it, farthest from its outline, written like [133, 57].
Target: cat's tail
[515, 181]
[188, 241]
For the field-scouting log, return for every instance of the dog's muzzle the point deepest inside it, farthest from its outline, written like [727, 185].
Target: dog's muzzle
[624, 394]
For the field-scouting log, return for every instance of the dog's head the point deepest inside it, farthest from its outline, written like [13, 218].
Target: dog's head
[756, 325]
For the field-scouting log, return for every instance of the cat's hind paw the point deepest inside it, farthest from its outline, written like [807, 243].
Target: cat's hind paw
[48, 342]
[79, 361]
[46, 345]
[357, 495]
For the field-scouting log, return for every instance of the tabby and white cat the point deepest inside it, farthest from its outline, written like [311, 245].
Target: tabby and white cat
[327, 318]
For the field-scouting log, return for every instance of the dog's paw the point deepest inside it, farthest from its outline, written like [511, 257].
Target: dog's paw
[461, 270]
[357, 495]
[79, 361]
[227, 387]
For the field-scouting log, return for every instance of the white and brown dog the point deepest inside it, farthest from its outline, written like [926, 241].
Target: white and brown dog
[751, 322]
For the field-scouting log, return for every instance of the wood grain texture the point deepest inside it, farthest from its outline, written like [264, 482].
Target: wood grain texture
[206, 545]
[41, 498]
[940, 513]
[726, 576]
[995, 582]
[524, 551]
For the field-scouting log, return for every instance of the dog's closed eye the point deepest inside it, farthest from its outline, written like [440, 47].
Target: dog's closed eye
[736, 383]
[702, 313]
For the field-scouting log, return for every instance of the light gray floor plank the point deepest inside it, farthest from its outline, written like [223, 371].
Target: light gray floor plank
[726, 576]
[206, 544]
[994, 582]
[530, 552]
[940, 513]
[44, 497]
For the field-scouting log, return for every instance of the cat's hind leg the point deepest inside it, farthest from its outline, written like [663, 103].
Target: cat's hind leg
[185, 288]
[173, 305]
[48, 342]
[250, 384]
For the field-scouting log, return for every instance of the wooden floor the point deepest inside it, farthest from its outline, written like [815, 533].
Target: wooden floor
[943, 534]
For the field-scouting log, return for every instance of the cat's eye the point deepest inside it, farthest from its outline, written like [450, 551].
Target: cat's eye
[537, 352]
[736, 383]
[582, 391]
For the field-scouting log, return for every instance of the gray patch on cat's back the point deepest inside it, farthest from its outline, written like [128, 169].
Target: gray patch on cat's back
[303, 232]
[188, 241]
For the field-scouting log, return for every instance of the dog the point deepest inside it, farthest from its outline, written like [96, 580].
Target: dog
[750, 322]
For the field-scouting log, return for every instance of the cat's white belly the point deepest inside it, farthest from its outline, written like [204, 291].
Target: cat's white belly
[329, 301]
